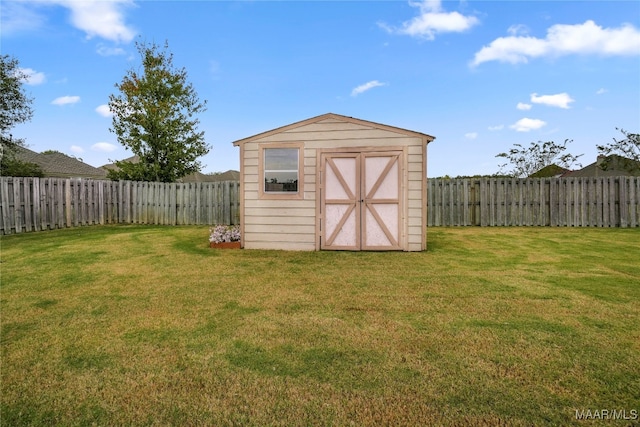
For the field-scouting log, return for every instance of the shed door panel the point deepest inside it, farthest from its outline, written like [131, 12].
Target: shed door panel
[361, 201]
[381, 203]
[341, 220]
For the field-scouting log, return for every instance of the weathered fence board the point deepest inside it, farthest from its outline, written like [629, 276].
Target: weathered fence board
[33, 204]
[556, 202]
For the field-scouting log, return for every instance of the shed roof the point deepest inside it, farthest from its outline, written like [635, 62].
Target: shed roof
[427, 138]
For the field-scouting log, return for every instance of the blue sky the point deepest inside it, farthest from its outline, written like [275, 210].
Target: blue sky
[479, 76]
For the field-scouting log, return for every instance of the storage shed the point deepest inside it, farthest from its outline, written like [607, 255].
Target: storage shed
[333, 182]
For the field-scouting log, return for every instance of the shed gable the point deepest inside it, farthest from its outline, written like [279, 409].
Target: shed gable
[333, 126]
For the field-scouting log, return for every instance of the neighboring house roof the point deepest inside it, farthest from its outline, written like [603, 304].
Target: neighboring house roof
[229, 175]
[332, 116]
[112, 166]
[551, 171]
[616, 166]
[58, 165]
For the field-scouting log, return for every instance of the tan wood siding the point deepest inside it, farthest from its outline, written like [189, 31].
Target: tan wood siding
[279, 204]
[415, 184]
[279, 237]
[252, 161]
[251, 173]
[281, 220]
[338, 135]
[250, 188]
[328, 126]
[282, 211]
[415, 167]
[414, 195]
[280, 229]
[278, 245]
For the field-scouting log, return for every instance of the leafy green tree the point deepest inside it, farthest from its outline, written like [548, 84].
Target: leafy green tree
[627, 150]
[525, 161]
[15, 167]
[154, 116]
[15, 108]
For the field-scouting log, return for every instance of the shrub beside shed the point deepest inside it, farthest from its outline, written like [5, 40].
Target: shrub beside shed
[333, 182]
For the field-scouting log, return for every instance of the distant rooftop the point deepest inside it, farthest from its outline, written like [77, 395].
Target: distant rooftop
[615, 166]
[59, 165]
[230, 175]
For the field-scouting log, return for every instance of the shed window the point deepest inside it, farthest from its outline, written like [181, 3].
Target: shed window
[281, 170]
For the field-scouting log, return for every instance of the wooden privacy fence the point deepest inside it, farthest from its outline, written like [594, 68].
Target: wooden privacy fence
[33, 204]
[568, 202]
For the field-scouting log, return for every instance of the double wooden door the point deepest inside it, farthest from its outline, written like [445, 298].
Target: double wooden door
[360, 201]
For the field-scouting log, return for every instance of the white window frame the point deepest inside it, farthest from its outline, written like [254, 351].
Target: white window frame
[263, 194]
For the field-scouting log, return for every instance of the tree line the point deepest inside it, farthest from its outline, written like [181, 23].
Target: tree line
[525, 161]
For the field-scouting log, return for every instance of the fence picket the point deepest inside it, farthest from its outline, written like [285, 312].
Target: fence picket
[17, 218]
[634, 209]
[26, 199]
[613, 212]
[622, 202]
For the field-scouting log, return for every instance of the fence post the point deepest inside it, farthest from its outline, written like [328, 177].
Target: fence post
[613, 211]
[482, 200]
[17, 217]
[26, 196]
[634, 197]
[226, 203]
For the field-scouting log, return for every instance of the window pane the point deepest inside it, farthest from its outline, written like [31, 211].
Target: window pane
[281, 159]
[281, 170]
[281, 181]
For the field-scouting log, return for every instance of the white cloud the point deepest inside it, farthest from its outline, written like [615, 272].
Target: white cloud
[601, 91]
[65, 100]
[18, 17]
[365, 87]
[110, 51]
[496, 128]
[104, 19]
[104, 147]
[561, 100]
[103, 110]
[33, 77]
[526, 125]
[77, 149]
[587, 38]
[518, 30]
[523, 106]
[471, 135]
[432, 20]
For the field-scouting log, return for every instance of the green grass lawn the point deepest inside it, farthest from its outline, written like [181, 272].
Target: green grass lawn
[137, 325]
